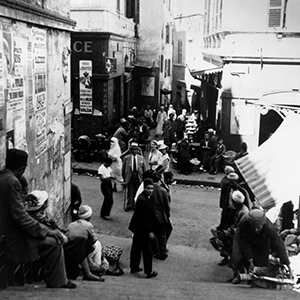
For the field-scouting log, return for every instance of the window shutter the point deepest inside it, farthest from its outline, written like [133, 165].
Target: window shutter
[180, 51]
[275, 13]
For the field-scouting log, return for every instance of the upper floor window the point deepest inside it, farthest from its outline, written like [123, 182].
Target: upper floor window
[180, 51]
[275, 14]
[168, 34]
[118, 5]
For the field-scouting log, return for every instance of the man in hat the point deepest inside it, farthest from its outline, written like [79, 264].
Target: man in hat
[27, 239]
[133, 167]
[84, 228]
[228, 209]
[257, 238]
[227, 236]
[169, 131]
[143, 132]
[141, 225]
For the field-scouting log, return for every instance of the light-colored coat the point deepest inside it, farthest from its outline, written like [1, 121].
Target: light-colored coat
[127, 167]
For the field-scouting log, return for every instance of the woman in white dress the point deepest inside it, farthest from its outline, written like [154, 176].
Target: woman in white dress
[154, 155]
[160, 119]
[114, 153]
[165, 159]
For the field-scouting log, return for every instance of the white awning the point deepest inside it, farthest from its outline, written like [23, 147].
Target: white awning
[272, 171]
[205, 68]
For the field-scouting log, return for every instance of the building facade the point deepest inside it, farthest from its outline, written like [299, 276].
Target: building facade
[103, 50]
[35, 100]
[188, 40]
[152, 71]
[251, 48]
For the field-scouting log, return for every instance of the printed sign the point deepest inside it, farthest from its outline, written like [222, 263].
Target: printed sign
[85, 87]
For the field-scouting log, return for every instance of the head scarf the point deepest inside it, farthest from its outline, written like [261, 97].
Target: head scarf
[238, 197]
[115, 150]
[228, 169]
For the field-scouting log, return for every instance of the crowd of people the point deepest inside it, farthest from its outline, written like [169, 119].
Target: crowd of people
[244, 236]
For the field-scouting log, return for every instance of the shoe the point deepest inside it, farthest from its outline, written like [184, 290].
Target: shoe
[161, 257]
[106, 217]
[216, 172]
[132, 271]
[236, 280]
[69, 285]
[101, 279]
[152, 274]
[128, 208]
[223, 262]
[201, 169]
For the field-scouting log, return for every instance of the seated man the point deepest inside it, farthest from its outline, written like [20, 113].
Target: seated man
[217, 159]
[76, 250]
[183, 159]
[256, 239]
[207, 149]
[27, 238]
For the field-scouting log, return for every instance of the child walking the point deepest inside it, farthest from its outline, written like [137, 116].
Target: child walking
[105, 173]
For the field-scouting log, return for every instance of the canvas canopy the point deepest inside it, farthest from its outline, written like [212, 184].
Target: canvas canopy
[272, 171]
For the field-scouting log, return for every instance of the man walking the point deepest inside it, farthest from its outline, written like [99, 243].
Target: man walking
[132, 171]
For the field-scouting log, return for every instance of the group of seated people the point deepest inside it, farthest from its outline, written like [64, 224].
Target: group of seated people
[30, 235]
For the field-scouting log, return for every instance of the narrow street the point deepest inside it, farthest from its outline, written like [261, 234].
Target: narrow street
[190, 272]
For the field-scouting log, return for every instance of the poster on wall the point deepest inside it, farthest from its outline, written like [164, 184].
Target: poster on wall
[242, 118]
[148, 86]
[2, 56]
[39, 88]
[85, 87]
[17, 91]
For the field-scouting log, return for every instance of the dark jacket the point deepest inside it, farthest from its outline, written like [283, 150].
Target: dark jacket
[20, 229]
[161, 205]
[142, 220]
[259, 246]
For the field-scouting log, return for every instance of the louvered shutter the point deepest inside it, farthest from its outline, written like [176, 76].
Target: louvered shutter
[275, 13]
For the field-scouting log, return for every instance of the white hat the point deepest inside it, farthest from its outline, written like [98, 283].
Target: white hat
[238, 197]
[232, 176]
[134, 145]
[33, 204]
[229, 169]
[162, 147]
[84, 212]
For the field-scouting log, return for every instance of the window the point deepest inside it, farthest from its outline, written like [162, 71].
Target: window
[168, 34]
[179, 51]
[161, 63]
[118, 5]
[169, 67]
[275, 13]
[166, 67]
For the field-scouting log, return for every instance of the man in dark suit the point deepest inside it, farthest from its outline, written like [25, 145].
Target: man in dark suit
[134, 166]
[207, 149]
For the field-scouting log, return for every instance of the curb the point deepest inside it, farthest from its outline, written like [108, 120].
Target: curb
[178, 180]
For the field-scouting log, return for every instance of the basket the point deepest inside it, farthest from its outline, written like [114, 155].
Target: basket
[228, 157]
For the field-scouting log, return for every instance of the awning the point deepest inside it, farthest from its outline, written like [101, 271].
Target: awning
[272, 171]
[281, 98]
[282, 101]
[205, 68]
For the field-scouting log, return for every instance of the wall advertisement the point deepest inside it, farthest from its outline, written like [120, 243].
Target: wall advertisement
[85, 87]
[39, 88]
